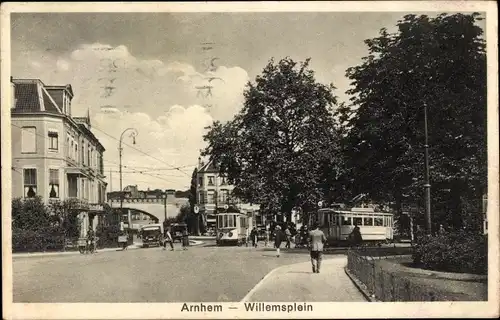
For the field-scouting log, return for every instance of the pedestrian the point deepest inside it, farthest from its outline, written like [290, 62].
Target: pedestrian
[168, 238]
[288, 236]
[253, 236]
[278, 238]
[267, 236]
[355, 236]
[316, 242]
[185, 238]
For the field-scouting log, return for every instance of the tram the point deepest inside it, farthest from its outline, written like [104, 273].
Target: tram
[375, 227]
[232, 228]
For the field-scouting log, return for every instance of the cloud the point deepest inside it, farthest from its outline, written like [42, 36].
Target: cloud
[161, 99]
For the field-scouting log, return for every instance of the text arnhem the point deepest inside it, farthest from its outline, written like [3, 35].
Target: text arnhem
[201, 307]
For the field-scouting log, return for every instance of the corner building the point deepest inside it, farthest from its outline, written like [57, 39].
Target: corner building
[54, 155]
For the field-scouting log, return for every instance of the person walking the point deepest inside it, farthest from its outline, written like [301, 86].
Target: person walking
[288, 236]
[185, 239]
[253, 236]
[316, 242]
[91, 240]
[168, 238]
[278, 238]
[355, 236]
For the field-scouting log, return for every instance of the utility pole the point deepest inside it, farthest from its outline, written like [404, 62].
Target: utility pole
[120, 149]
[165, 205]
[427, 185]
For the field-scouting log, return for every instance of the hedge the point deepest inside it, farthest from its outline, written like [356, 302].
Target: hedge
[48, 238]
[457, 251]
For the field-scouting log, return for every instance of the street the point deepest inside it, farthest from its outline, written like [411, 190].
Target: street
[204, 273]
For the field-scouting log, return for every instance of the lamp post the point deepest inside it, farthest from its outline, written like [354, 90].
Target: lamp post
[427, 185]
[120, 149]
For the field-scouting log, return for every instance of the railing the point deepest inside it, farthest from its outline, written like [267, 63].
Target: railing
[389, 286]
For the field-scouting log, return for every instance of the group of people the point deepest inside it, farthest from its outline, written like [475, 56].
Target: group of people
[167, 238]
[315, 239]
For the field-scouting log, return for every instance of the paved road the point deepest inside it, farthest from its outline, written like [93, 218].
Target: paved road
[205, 273]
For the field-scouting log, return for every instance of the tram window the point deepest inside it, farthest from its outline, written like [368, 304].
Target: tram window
[357, 221]
[333, 220]
[230, 223]
[368, 221]
[346, 221]
[225, 222]
[379, 222]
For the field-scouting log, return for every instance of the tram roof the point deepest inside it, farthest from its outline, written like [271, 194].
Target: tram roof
[354, 212]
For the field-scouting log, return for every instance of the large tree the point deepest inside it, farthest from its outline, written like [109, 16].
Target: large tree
[439, 62]
[279, 145]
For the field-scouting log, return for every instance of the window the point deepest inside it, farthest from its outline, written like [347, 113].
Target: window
[53, 183]
[69, 148]
[210, 180]
[88, 156]
[332, 218]
[231, 222]
[224, 196]
[346, 221]
[82, 157]
[30, 186]
[357, 221]
[225, 222]
[200, 181]
[223, 180]
[28, 140]
[379, 222]
[76, 152]
[210, 197]
[201, 198]
[83, 196]
[53, 141]
[368, 221]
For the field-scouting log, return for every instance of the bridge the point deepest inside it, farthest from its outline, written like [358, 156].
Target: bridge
[150, 210]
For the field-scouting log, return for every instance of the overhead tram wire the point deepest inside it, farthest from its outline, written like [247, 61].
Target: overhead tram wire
[142, 152]
[108, 161]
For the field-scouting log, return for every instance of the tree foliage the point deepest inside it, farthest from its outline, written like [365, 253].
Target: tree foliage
[276, 149]
[439, 62]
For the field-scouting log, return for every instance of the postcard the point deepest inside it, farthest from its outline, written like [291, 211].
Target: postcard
[250, 160]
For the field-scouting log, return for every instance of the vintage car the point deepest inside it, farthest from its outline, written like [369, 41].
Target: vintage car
[152, 235]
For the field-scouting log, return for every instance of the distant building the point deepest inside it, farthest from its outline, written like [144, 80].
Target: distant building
[214, 194]
[54, 155]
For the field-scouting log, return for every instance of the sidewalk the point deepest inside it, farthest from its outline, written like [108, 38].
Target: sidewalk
[136, 245]
[296, 282]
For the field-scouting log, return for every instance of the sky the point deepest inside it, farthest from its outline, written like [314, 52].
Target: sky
[142, 70]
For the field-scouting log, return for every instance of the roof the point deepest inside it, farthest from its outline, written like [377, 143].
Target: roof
[27, 96]
[32, 95]
[209, 167]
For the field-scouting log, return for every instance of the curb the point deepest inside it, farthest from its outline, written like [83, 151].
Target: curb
[68, 253]
[359, 286]
[247, 297]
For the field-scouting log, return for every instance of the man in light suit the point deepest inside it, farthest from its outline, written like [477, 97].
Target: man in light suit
[316, 240]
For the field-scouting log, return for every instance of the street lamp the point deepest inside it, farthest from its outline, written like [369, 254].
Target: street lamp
[427, 185]
[133, 134]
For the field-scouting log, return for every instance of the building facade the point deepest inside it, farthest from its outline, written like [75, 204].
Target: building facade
[214, 194]
[55, 156]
